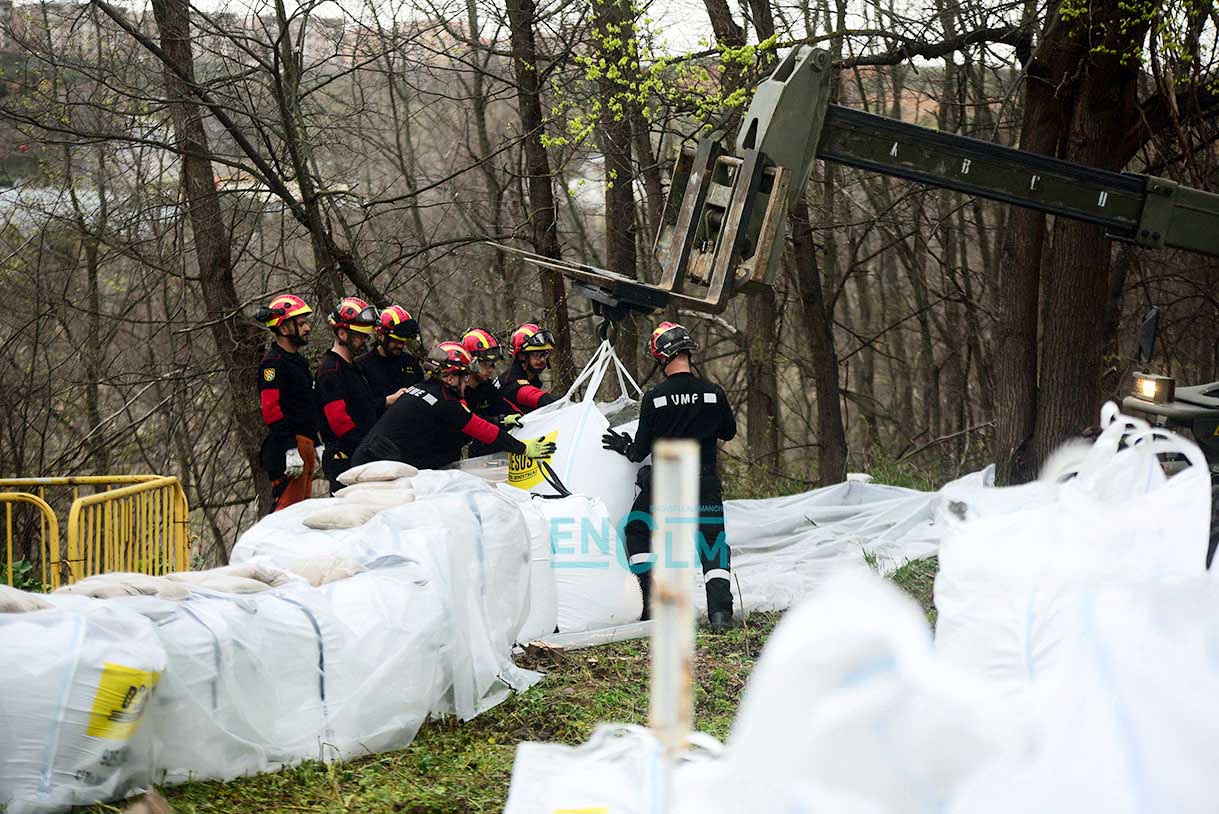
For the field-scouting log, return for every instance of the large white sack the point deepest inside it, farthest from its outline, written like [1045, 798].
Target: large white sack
[543, 615]
[74, 691]
[582, 466]
[617, 770]
[1011, 566]
[848, 698]
[1127, 714]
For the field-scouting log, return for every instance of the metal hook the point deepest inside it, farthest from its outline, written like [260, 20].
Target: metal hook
[603, 330]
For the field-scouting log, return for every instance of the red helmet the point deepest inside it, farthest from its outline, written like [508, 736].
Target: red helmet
[530, 337]
[449, 357]
[482, 345]
[670, 339]
[285, 306]
[397, 323]
[354, 314]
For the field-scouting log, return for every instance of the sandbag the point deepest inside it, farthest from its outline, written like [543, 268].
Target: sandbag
[74, 691]
[349, 515]
[377, 471]
[380, 499]
[405, 484]
[318, 571]
[120, 584]
[13, 600]
[221, 583]
[579, 463]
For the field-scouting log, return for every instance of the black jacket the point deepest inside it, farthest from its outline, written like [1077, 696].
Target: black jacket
[285, 391]
[427, 427]
[387, 375]
[685, 406]
[347, 404]
[485, 401]
[522, 390]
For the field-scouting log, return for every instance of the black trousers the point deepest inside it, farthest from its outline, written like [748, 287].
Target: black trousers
[710, 543]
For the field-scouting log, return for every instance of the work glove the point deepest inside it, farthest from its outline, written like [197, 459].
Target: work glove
[294, 464]
[511, 422]
[619, 442]
[539, 448]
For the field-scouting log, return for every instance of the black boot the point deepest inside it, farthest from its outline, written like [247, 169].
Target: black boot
[721, 620]
[645, 586]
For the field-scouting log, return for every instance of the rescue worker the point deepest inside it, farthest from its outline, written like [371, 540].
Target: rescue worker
[348, 406]
[682, 406]
[285, 391]
[521, 384]
[429, 425]
[482, 394]
[394, 364]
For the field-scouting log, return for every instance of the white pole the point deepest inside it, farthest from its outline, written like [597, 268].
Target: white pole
[675, 521]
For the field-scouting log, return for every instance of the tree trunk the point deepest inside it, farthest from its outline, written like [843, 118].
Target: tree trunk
[818, 325]
[234, 336]
[614, 34]
[1046, 108]
[543, 217]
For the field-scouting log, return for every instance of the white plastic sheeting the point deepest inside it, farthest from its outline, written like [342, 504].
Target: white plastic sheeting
[257, 682]
[73, 691]
[472, 544]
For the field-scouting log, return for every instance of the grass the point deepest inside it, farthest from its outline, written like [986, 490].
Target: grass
[465, 768]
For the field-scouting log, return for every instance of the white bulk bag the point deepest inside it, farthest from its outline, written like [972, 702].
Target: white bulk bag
[848, 698]
[543, 599]
[576, 427]
[74, 690]
[594, 587]
[1006, 575]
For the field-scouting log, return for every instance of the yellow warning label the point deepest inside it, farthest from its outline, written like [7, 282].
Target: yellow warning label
[119, 703]
[524, 473]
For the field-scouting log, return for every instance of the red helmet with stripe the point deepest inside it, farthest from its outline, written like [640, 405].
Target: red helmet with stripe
[449, 357]
[354, 314]
[397, 323]
[482, 345]
[283, 307]
[670, 339]
[530, 337]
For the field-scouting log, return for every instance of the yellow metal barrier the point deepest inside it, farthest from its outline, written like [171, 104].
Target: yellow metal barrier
[139, 523]
[49, 525]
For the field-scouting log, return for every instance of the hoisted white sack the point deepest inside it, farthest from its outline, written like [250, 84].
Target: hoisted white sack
[73, 691]
[580, 463]
[617, 771]
[1005, 577]
[1127, 714]
[848, 698]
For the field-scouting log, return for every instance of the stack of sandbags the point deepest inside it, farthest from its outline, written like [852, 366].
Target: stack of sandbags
[74, 690]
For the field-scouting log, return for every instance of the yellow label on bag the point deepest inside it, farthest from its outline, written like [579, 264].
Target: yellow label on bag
[524, 473]
[119, 703]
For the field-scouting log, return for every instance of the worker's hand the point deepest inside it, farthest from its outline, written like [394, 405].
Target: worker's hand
[539, 448]
[511, 422]
[294, 464]
[619, 442]
[392, 397]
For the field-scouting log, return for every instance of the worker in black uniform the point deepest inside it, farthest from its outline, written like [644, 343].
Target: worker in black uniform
[348, 406]
[521, 384]
[429, 425]
[285, 392]
[682, 406]
[481, 394]
[394, 364]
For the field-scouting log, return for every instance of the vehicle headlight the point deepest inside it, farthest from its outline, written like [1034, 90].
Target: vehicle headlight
[1153, 388]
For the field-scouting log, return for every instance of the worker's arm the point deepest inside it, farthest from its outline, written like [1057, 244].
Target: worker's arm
[334, 407]
[274, 395]
[641, 446]
[459, 417]
[531, 397]
[727, 429]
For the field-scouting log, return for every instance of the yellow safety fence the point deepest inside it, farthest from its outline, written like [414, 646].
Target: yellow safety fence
[128, 523]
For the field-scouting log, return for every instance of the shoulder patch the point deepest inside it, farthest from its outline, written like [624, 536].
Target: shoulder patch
[268, 374]
[522, 381]
[660, 401]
